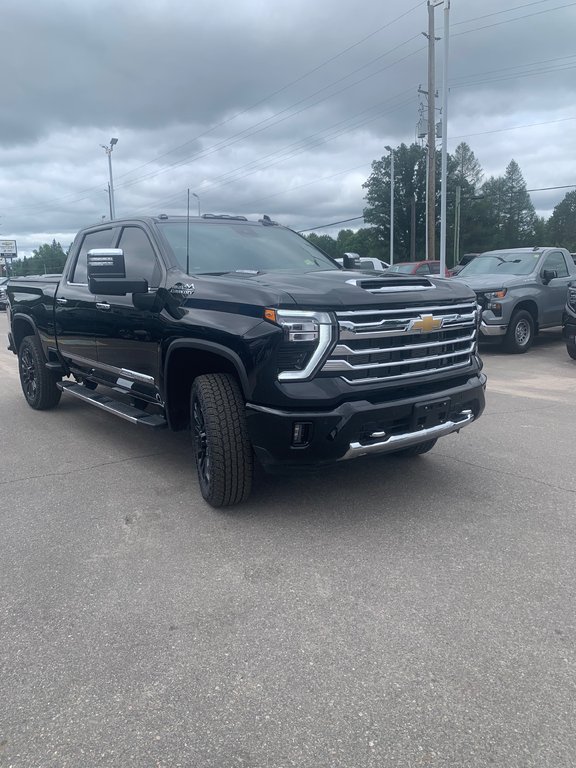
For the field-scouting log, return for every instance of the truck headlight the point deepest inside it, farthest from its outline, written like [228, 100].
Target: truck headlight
[307, 338]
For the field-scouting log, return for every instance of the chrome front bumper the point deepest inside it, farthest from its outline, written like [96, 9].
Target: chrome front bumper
[398, 442]
[492, 330]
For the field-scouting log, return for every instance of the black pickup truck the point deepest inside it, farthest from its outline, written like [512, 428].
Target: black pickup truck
[248, 335]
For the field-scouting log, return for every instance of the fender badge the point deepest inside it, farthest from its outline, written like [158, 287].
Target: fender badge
[182, 289]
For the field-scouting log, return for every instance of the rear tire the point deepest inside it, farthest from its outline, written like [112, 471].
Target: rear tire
[520, 334]
[571, 349]
[418, 449]
[224, 456]
[38, 383]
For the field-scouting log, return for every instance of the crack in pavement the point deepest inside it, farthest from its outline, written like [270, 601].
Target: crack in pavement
[84, 469]
[504, 472]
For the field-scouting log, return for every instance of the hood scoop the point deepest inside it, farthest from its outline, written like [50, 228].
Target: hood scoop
[391, 284]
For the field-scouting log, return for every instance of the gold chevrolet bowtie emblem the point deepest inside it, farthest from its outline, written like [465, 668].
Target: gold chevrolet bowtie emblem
[426, 324]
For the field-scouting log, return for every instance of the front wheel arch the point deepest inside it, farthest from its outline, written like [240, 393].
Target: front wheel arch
[185, 361]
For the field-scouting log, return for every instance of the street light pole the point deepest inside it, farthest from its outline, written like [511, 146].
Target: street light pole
[198, 199]
[391, 203]
[444, 174]
[108, 150]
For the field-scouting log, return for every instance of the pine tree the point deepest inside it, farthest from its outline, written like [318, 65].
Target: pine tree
[562, 223]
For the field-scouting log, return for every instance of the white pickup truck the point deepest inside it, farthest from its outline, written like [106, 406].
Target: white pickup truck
[375, 265]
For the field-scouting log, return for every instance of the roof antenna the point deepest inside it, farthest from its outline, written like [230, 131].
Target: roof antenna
[188, 235]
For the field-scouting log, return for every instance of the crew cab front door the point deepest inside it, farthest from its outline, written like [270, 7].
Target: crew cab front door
[128, 338]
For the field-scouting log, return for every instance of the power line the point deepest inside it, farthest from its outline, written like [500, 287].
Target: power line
[512, 128]
[499, 13]
[455, 80]
[281, 90]
[304, 145]
[356, 218]
[93, 190]
[333, 224]
[513, 77]
[516, 18]
[235, 138]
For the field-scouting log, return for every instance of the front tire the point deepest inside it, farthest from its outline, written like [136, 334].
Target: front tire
[571, 349]
[520, 334]
[38, 383]
[224, 456]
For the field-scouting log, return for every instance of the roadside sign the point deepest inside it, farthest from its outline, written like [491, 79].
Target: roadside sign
[8, 250]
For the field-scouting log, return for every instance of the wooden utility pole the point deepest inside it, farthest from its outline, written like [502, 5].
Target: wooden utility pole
[431, 187]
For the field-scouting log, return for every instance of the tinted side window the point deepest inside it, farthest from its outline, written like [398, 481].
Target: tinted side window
[556, 261]
[435, 268]
[423, 269]
[100, 239]
[139, 256]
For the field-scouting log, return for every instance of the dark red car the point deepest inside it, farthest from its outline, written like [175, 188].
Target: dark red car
[417, 268]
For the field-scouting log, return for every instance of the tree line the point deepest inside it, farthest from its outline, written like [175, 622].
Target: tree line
[482, 215]
[46, 260]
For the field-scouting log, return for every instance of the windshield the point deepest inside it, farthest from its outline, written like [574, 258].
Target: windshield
[221, 248]
[401, 268]
[502, 263]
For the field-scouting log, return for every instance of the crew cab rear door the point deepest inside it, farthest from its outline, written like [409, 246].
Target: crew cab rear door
[75, 309]
[127, 337]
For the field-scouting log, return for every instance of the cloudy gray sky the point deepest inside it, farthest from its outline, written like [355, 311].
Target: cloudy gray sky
[264, 107]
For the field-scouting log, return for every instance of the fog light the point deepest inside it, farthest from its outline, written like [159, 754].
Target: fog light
[496, 308]
[301, 432]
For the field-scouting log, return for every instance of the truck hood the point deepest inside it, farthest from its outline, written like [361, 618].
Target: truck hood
[332, 289]
[489, 283]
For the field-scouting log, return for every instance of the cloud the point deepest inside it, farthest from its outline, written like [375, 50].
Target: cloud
[263, 107]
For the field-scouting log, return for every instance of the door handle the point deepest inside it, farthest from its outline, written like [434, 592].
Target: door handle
[61, 300]
[102, 305]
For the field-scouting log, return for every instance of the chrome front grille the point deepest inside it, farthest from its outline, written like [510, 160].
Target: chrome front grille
[396, 344]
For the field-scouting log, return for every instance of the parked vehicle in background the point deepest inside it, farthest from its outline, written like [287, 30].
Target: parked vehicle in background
[252, 338]
[520, 291]
[464, 261]
[569, 321]
[3, 294]
[417, 268]
[365, 262]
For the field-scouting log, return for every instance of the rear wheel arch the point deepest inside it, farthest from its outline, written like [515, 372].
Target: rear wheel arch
[39, 385]
[22, 326]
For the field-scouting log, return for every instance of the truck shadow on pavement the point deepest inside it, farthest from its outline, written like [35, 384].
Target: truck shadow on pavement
[385, 486]
[546, 339]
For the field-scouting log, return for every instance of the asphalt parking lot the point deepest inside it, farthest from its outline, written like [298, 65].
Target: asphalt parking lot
[385, 613]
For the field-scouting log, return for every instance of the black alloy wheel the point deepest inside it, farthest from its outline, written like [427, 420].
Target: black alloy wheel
[39, 385]
[224, 456]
